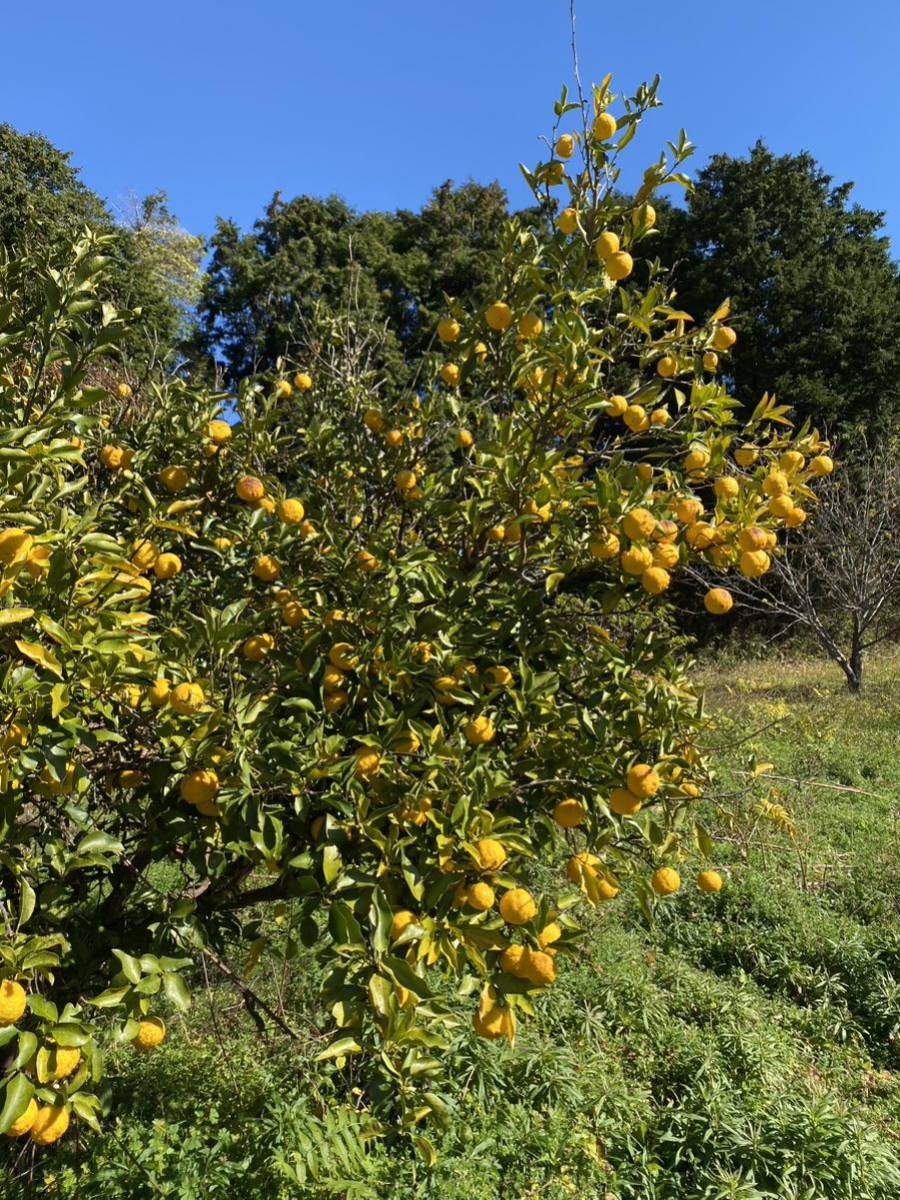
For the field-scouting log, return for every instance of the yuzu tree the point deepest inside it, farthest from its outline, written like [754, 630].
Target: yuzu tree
[296, 647]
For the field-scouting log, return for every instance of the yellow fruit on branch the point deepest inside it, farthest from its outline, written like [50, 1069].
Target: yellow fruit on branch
[490, 854]
[158, 693]
[63, 1062]
[718, 601]
[291, 512]
[479, 731]
[517, 906]
[639, 524]
[174, 479]
[499, 316]
[642, 780]
[549, 935]
[688, 509]
[655, 580]
[167, 566]
[724, 338]
[267, 568]
[367, 763]
[569, 813]
[144, 554]
[696, 461]
[480, 896]
[780, 506]
[709, 881]
[303, 381]
[530, 326]
[249, 488]
[199, 787]
[512, 959]
[219, 432]
[665, 881]
[538, 968]
[753, 538]
[795, 517]
[607, 245]
[635, 417]
[636, 559]
[604, 546]
[619, 265]
[258, 647]
[754, 563]
[12, 1001]
[186, 698]
[448, 329]
[343, 656]
[666, 554]
[49, 1124]
[402, 920]
[493, 1021]
[604, 127]
[151, 1033]
[776, 484]
[624, 803]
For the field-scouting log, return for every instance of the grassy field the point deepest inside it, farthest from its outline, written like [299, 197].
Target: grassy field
[746, 1046]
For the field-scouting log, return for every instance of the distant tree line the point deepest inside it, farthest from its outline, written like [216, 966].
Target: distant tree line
[816, 293]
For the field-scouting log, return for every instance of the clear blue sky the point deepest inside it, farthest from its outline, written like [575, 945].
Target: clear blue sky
[221, 103]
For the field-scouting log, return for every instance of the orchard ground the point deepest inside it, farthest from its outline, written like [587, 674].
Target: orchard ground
[745, 1046]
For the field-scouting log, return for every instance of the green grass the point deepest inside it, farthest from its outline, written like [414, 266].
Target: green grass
[746, 1046]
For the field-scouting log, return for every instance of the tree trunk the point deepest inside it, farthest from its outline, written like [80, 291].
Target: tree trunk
[855, 662]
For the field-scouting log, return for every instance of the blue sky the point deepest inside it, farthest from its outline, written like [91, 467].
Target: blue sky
[222, 103]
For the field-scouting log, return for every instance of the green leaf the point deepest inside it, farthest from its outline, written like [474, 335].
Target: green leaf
[176, 990]
[37, 653]
[69, 1033]
[343, 1046]
[28, 1044]
[111, 997]
[19, 1091]
[131, 968]
[705, 844]
[12, 616]
[27, 901]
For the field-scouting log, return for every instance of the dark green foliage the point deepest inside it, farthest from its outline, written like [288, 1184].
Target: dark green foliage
[263, 287]
[816, 295]
[736, 1051]
[44, 204]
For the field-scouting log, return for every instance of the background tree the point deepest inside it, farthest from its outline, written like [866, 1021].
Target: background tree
[155, 264]
[841, 580]
[810, 273]
[263, 287]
